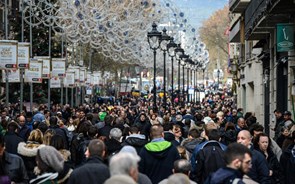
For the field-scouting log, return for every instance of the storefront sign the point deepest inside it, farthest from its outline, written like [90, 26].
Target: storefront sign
[285, 37]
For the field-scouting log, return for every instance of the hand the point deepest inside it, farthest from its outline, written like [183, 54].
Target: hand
[270, 172]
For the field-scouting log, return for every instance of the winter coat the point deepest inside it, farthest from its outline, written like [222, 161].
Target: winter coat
[259, 171]
[287, 164]
[135, 140]
[11, 142]
[93, 171]
[28, 152]
[157, 159]
[15, 168]
[225, 175]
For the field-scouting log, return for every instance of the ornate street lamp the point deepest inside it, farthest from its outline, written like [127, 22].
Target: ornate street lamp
[154, 40]
[165, 39]
[183, 58]
[178, 52]
[171, 51]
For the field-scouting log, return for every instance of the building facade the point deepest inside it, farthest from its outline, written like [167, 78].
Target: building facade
[265, 63]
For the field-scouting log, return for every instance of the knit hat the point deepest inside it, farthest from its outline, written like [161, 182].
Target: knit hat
[52, 158]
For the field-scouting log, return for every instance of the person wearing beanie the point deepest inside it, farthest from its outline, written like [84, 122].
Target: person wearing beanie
[49, 163]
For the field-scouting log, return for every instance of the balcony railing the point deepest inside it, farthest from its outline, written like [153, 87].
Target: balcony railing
[254, 12]
[238, 6]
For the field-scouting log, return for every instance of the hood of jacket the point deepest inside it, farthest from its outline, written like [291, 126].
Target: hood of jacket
[169, 136]
[158, 149]
[28, 149]
[225, 174]
[135, 141]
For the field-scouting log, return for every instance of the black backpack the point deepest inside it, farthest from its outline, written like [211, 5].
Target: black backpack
[209, 159]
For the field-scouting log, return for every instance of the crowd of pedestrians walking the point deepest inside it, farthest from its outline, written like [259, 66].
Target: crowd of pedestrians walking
[206, 142]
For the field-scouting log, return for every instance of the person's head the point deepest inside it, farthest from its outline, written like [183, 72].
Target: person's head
[194, 133]
[177, 130]
[48, 159]
[208, 127]
[36, 136]
[244, 137]
[287, 115]
[12, 127]
[214, 134]
[21, 120]
[3, 114]
[58, 142]
[256, 129]
[95, 147]
[53, 120]
[278, 114]
[262, 142]
[124, 163]
[116, 134]
[182, 166]
[157, 131]
[241, 123]
[178, 178]
[142, 117]
[238, 157]
[120, 179]
[133, 130]
[47, 136]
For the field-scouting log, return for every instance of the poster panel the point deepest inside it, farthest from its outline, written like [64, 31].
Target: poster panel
[23, 55]
[8, 54]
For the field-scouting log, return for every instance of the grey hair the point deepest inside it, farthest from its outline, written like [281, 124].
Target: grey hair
[178, 178]
[120, 179]
[116, 133]
[122, 163]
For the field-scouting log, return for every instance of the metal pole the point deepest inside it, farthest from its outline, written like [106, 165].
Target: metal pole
[22, 70]
[61, 79]
[183, 83]
[66, 66]
[72, 97]
[155, 88]
[49, 53]
[178, 80]
[172, 99]
[31, 54]
[6, 37]
[187, 87]
[164, 79]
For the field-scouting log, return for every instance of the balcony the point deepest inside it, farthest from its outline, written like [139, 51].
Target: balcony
[238, 6]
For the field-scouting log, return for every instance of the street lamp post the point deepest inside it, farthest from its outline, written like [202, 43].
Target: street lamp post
[171, 51]
[163, 45]
[183, 57]
[178, 52]
[154, 40]
[218, 73]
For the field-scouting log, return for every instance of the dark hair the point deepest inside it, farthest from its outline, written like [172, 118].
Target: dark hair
[53, 120]
[256, 141]
[43, 127]
[229, 126]
[58, 142]
[195, 133]
[134, 129]
[214, 134]
[92, 131]
[96, 147]
[12, 126]
[182, 166]
[235, 151]
[256, 127]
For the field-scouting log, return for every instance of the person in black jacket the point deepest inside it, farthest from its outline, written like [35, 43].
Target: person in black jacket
[59, 131]
[259, 171]
[94, 170]
[135, 139]
[12, 139]
[287, 163]
[262, 143]
[158, 156]
[12, 165]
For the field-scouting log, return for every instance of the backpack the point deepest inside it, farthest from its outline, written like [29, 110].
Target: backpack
[209, 159]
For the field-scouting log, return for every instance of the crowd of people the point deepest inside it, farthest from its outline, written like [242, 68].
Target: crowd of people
[206, 142]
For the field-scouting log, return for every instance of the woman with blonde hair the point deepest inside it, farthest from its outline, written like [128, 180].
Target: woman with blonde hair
[28, 150]
[47, 136]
